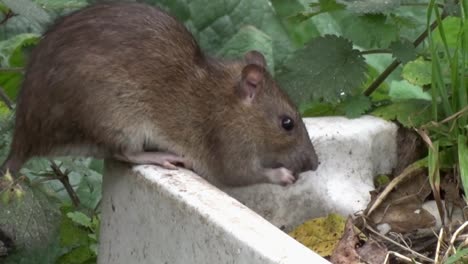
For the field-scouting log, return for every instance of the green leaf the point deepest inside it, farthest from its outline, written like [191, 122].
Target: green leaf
[451, 27]
[369, 31]
[452, 8]
[463, 162]
[89, 190]
[80, 218]
[323, 6]
[71, 235]
[299, 30]
[11, 50]
[355, 106]
[403, 50]
[371, 6]
[402, 90]
[418, 72]
[32, 222]
[11, 82]
[330, 5]
[59, 5]
[78, 255]
[315, 109]
[410, 113]
[215, 22]
[434, 166]
[325, 68]
[3, 8]
[32, 11]
[249, 38]
[458, 257]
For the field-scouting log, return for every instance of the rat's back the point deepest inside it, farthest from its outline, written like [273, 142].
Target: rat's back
[90, 81]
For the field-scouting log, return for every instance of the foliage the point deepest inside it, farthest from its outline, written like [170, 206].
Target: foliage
[331, 56]
[321, 234]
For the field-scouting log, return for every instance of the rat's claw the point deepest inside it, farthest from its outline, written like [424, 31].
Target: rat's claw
[168, 165]
[281, 176]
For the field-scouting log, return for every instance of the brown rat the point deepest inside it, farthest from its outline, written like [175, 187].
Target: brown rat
[128, 81]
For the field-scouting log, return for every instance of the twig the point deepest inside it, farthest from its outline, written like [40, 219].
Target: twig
[63, 178]
[399, 245]
[8, 15]
[409, 171]
[454, 237]
[439, 242]
[6, 99]
[398, 255]
[381, 78]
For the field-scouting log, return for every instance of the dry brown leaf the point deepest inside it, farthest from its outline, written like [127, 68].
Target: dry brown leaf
[345, 251]
[372, 252]
[402, 209]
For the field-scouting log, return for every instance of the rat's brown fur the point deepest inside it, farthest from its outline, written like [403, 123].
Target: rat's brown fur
[127, 77]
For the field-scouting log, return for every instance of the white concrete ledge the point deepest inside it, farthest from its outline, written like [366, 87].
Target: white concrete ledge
[152, 215]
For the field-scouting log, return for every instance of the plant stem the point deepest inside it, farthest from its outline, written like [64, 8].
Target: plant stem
[7, 16]
[381, 78]
[63, 178]
[6, 99]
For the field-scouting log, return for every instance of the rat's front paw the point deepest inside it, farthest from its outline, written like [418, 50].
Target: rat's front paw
[281, 176]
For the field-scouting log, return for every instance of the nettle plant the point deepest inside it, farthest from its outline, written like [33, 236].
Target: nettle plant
[423, 88]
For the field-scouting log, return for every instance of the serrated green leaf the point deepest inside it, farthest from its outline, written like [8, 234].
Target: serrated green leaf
[325, 68]
[403, 50]
[215, 22]
[79, 255]
[371, 6]
[403, 90]
[80, 218]
[410, 113]
[418, 72]
[355, 106]
[249, 38]
[369, 31]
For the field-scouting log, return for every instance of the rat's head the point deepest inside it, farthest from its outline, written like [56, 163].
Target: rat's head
[281, 139]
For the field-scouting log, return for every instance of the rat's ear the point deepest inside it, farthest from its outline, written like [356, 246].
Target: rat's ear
[251, 82]
[255, 57]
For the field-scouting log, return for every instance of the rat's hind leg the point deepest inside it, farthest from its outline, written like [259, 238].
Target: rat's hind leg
[164, 159]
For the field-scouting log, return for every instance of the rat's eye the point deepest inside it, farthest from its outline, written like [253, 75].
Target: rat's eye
[287, 123]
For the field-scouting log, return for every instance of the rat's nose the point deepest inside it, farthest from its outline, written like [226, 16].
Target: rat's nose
[310, 162]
